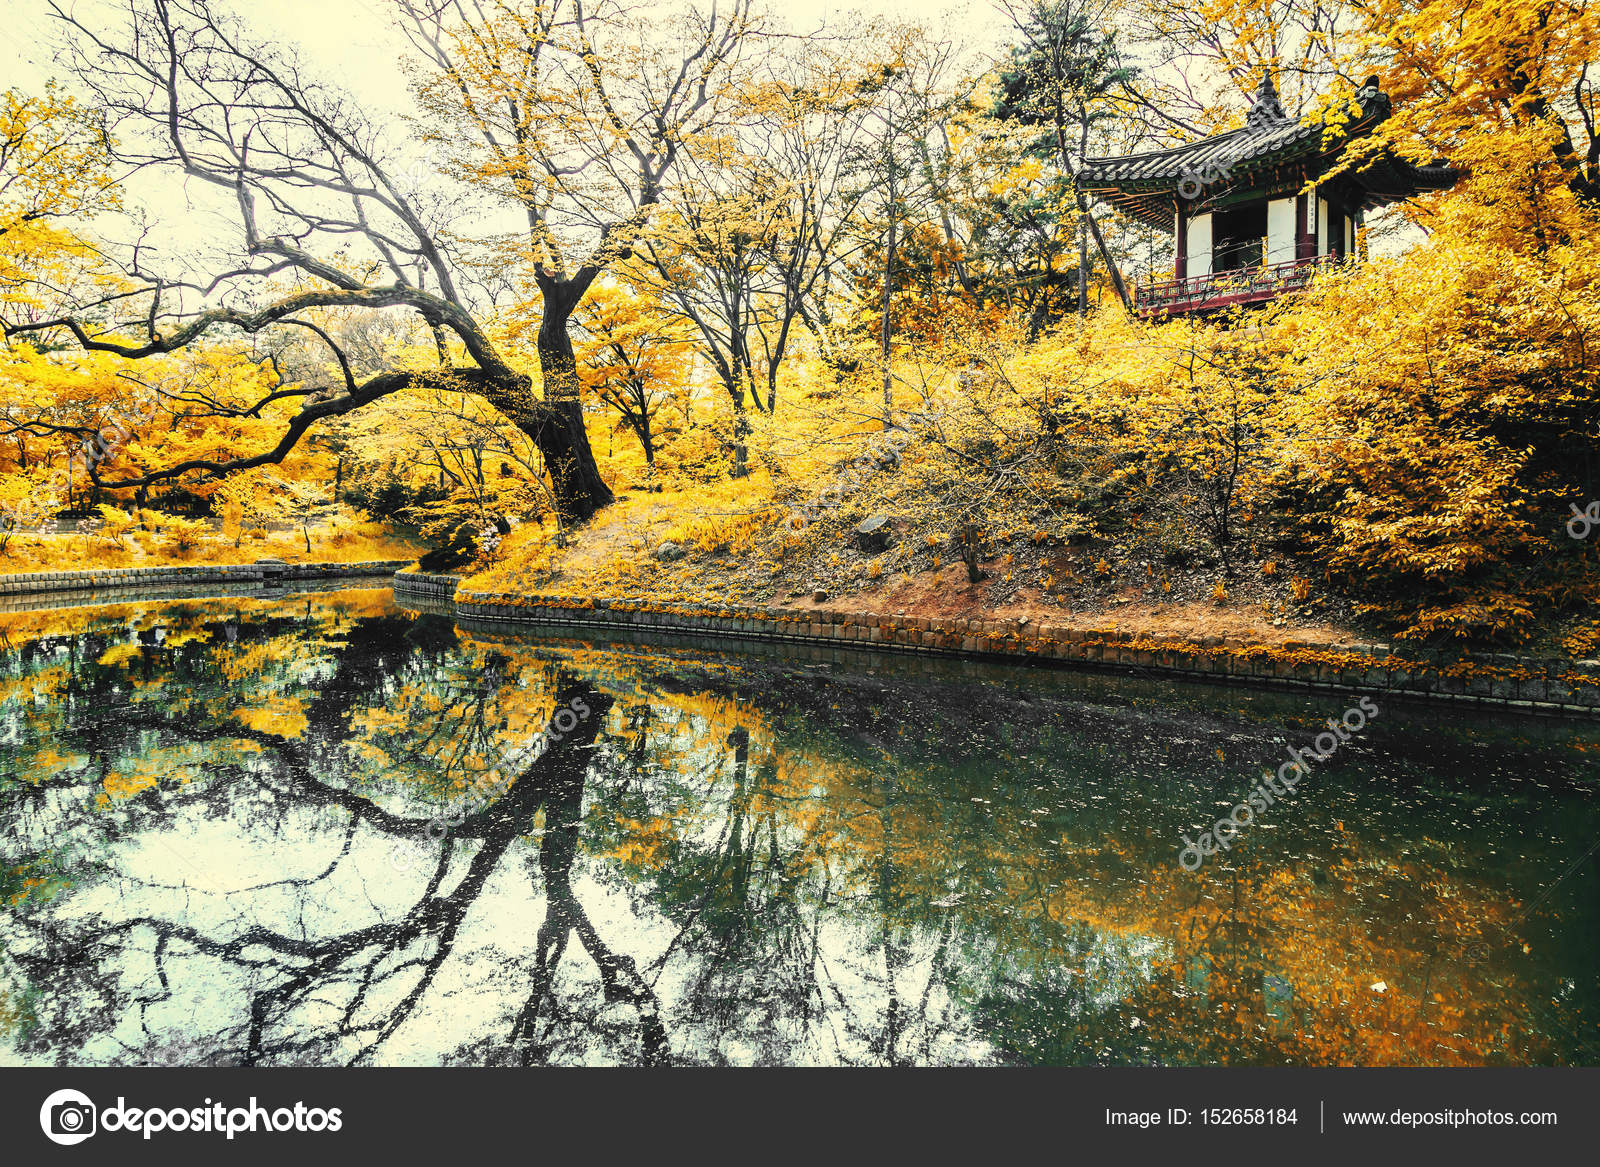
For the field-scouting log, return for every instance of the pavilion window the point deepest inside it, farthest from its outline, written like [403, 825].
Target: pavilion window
[1240, 236]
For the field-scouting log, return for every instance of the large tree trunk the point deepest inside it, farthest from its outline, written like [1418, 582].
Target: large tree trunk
[574, 476]
[556, 424]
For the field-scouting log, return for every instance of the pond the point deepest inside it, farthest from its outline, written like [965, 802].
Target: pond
[321, 829]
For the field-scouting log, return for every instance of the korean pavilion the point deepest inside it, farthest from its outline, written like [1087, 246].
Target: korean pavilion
[1244, 230]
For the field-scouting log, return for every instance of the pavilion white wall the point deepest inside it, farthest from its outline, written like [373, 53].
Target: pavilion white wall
[1199, 257]
[1280, 231]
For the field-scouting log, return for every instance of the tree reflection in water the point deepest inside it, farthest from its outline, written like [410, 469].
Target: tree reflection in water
[729, 862]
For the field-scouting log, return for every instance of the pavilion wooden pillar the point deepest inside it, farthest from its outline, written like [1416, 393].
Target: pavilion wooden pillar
[1180, 261]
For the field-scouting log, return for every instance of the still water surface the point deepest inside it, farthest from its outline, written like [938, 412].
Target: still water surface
[217, 849]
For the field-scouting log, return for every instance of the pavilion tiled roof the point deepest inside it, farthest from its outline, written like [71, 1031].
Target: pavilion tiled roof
[1144, 185]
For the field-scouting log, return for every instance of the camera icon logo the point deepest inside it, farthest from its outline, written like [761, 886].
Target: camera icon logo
[67, 1117]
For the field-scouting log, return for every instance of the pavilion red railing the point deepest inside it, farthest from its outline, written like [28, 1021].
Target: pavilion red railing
[1248, 285]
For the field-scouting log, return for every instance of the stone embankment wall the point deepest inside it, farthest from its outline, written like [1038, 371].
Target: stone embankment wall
[125, 577]
[1493, 679]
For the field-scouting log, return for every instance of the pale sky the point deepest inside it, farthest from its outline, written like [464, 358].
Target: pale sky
[354, 42]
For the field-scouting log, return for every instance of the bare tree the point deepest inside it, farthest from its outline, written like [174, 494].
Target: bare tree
[908, 103]
[575, 114]
[762, 216]
[327, 220]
